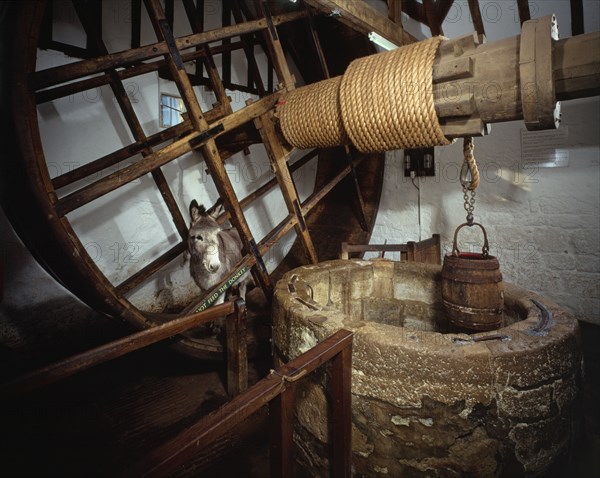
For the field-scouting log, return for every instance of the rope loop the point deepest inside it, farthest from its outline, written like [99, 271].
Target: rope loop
[469, 166]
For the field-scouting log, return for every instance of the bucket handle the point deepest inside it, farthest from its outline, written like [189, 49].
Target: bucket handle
[486, 246]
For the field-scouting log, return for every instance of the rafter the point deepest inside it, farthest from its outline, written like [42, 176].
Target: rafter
[524, 14]
[476, 16]
[362, 17]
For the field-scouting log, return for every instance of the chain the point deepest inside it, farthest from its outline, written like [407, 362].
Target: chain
[469, 204]
[469, 168]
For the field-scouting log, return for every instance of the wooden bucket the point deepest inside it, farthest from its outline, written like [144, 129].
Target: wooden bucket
[472, 288]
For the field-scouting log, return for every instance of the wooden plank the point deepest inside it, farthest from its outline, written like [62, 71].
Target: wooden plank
[170, 12]
[200, 22]
[163, 460]
[476, 16]
[248, 46]
[237, 353]
[281, 411]
[216, 83]
[111, 350]
[226, 56]
[414, 10]
[277, 156]
[577, 17]
[341, 420]
[357, 196]
[443, 8]
[72, 71]
[277, 56]
[395, 11]
[45, 36]
[170, 202]
[136, 23]
[364, 18]
[432, 20]
[317, 43]
[523, 8]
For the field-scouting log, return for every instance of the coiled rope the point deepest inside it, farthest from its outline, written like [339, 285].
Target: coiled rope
[382, 102]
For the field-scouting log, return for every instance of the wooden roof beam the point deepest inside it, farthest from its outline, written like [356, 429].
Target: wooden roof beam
[362, 17]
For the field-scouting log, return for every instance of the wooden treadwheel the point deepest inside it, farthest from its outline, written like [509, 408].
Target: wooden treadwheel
[43, 205]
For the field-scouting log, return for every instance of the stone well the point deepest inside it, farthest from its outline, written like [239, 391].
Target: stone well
[425, 401]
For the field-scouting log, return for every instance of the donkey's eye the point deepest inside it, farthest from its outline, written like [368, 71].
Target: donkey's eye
[199, 238]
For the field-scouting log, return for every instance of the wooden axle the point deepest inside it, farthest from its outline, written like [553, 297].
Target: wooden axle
[478, 83]
[469, 83]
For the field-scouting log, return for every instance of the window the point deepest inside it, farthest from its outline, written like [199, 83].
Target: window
[171, 108]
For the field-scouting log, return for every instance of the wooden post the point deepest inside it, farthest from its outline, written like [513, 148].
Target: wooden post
[358, 198]
[281, 413]
[432, 19]
[344, 254]
[213, 73]
[274, 45]
[395, 11]
[341, 421]
[237, 354]
[577, 17]
[476, 16]
[248, 42]
[278, 156]
[524, 14]
[316, 42]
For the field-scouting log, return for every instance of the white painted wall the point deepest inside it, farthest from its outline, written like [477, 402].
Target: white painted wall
[543, 223]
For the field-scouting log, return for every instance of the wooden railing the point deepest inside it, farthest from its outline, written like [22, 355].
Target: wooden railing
[237, 368]
[428, 250]
[276, 389]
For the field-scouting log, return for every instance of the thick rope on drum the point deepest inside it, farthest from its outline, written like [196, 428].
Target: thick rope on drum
[311, 117]
[387, 99]
[383, 102]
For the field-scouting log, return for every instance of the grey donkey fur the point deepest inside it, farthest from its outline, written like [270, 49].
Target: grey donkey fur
[213, 250]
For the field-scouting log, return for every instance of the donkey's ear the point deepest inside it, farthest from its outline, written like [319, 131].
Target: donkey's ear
[196, 211]
[216, 210]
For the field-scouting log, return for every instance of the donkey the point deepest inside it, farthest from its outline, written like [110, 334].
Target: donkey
[213, 250]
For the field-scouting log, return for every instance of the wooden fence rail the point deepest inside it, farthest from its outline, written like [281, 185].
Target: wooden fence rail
[277, 390]
[237, 356]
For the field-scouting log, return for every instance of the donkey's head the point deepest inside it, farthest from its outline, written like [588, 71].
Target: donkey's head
[203, 238]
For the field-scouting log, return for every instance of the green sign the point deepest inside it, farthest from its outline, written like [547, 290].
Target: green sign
[221, 290]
